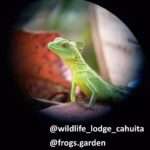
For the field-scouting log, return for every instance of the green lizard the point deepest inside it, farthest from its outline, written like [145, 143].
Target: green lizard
[90, 83]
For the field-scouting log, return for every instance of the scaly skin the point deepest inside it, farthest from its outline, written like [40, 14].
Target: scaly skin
[85, 77]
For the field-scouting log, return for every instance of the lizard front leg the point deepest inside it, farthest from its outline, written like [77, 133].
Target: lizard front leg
[92, 99]
[73, 91]
[91, 102]
[93, 96]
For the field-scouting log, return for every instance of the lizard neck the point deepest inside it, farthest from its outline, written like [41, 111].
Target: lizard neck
[77, 64]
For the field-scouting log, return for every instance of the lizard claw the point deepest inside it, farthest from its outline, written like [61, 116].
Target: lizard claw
[86, 106]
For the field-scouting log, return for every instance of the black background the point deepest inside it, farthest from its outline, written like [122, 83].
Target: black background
[22, 129]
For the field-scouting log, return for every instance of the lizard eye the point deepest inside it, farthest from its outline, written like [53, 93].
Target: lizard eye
[65, 45]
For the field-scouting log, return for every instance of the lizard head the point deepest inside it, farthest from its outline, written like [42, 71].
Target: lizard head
[64, 48]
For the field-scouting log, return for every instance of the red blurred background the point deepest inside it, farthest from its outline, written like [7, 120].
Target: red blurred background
[37, 71]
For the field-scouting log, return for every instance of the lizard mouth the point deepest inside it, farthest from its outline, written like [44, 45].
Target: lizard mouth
[55, 49]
